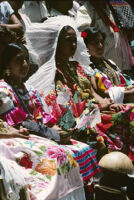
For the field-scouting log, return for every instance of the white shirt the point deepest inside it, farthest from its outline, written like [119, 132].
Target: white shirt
[36, 11]
[5, 12]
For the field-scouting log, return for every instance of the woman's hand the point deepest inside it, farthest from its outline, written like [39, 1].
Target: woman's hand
[13, 132]
[106, 102]
[64, 135]
[116, 107]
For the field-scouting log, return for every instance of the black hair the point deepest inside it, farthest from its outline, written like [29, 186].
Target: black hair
[62, 35]
[10, 52]
[63, 32]
[4, 31]
[91, 34]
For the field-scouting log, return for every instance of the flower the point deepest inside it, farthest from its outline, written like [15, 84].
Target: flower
[46, 167]
[58, 153]
[84, 34]
[26, 162]
[72, 161]
[50, 99]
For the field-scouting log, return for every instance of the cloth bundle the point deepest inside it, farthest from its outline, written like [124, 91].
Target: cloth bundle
[123, 13]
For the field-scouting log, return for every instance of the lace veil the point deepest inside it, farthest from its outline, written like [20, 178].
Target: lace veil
[42, 41]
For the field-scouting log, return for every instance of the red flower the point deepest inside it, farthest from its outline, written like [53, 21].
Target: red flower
[26, 162]
[50, 99]
[83, 34]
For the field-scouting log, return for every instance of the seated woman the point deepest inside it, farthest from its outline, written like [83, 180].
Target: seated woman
[74, 92]
[36, 168]
[21, 106]
[108, 82]
[44, 162]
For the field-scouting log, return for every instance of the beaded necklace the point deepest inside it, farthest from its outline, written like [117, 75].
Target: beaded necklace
[69, 73]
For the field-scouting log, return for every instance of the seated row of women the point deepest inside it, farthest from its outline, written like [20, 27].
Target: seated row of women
[44, 162]
[78, 106]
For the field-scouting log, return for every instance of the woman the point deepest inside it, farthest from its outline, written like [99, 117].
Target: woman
[36, 167]
[43, 162]
[74, 91]
[24, 107]
[108, 79]
[21, 106]
[113, 19]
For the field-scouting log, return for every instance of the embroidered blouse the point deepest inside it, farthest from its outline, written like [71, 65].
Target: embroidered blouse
[18, 104]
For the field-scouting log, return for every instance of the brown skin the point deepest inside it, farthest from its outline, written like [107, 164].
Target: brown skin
[14, 133]
[67, 47]
[19, 68]
[14, 24]
[96, 50]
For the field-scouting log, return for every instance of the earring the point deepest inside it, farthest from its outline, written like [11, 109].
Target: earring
[7, 72]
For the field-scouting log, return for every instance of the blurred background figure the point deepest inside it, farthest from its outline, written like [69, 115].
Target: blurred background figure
[31, 7]
[62, 7]
[106, 15]
[8, 18]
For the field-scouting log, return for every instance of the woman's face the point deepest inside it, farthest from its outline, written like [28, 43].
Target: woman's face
[19, 65]
[68, 44]
[96, 46]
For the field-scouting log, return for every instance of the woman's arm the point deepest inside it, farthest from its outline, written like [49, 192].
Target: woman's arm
[13, 133]
[14, 25]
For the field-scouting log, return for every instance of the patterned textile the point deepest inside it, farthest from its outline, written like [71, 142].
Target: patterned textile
[18, 112]
[123, 13]
[16, 108]
[104, 16]
[85, 157]
[49, 171]
[116, 130]
[108, 75]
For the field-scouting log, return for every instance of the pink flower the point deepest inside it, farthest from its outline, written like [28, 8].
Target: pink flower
[83, 34]
[58, 153]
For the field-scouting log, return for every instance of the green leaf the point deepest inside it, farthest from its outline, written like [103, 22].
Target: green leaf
[58, 171]
[48, 177]
[33, 172]
[43, 148]
[39, 154]
[18, 160]
[42, 179]
[75, 98]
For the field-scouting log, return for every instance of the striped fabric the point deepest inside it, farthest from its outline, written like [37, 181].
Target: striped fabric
[118, 3]
[85, 157]
[87, 162]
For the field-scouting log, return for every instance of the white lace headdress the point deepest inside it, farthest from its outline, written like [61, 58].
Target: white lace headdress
[42, 41]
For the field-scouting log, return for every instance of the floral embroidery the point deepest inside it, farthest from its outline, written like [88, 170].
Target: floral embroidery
[25, 161]
[46, 167]
[58, 153]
